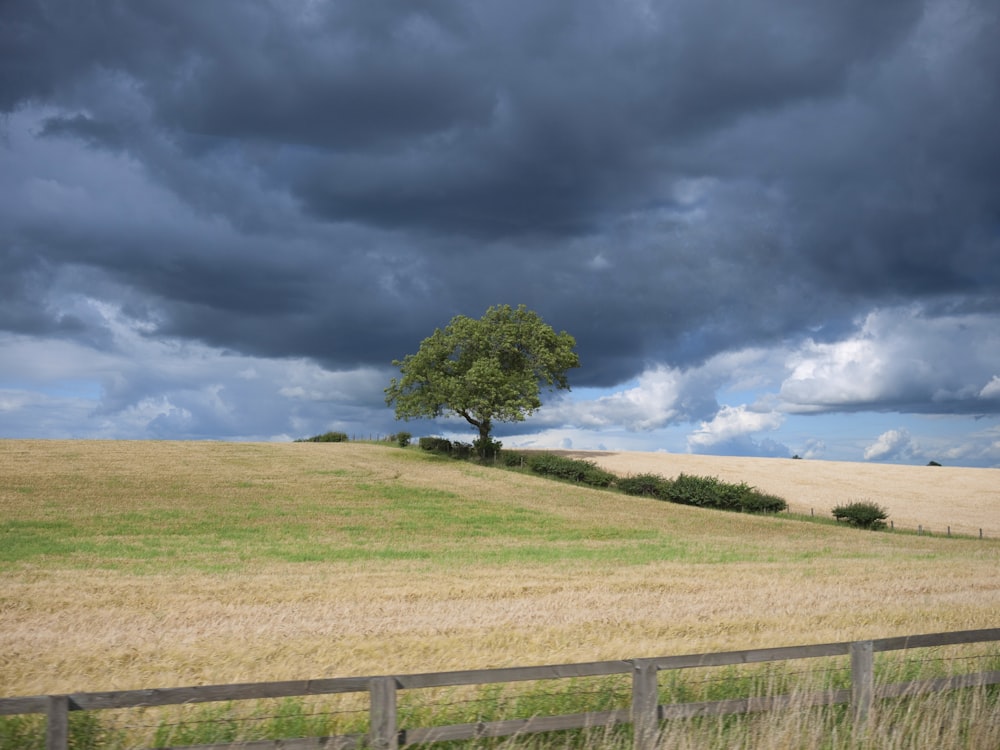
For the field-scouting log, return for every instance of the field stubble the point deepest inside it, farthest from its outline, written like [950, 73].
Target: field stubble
[165, 564]
[934, 497]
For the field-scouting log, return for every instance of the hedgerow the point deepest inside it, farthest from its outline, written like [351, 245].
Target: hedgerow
[435, 444]
[703, 492]
[446, 447]
[645, 485]
[570, 469]
[326, 437]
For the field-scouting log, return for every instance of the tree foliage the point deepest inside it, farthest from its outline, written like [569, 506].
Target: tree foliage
[326, 437]
[485, 371]
[862, 513]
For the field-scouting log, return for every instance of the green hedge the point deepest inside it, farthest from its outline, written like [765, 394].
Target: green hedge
[445, 447]
[863, 514]
[435, 444]
[570, 469]
[703, 492]
[326, 437]
[513, 459]
[646, 485]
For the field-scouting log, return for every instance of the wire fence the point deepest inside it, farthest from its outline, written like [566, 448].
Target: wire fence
[640, 695]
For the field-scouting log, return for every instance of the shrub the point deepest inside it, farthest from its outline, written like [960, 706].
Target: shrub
[570, 469]
[487, 448]
[862, 513]
[461, 450]
[326, 437]
[712, 492]
[446, 447]
[762, 502]
[435, 444]
[513, 459]
[702, 492]
[646, 485]
[403, 439]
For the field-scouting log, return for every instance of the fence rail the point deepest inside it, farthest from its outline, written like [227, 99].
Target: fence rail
[645, 713]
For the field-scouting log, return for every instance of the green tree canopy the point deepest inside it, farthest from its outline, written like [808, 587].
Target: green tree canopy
[485, 371]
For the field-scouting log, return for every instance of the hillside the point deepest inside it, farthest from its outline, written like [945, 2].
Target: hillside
[934, 497]
[147, 564]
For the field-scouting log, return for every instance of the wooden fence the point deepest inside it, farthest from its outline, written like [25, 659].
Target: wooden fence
[645, 713]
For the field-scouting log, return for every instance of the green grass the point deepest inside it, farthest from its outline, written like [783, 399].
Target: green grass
[218, 516]
[392, 522]
[227, 507]
[320, 716]
[429, 528]
[333, 515]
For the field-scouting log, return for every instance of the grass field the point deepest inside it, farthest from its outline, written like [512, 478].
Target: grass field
[932, 497]
[145, 564]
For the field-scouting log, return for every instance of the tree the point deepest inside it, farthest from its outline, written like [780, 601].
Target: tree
[485, 371]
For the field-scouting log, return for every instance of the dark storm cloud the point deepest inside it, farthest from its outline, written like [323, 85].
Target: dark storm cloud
[93, 132]
[666, 181]
[486, 120]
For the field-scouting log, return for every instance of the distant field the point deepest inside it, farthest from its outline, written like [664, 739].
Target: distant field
[934, 497]
[154, 564]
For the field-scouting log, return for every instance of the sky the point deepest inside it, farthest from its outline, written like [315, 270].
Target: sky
[773, 228]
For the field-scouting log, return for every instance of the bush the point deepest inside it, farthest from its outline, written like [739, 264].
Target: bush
[446, 447]
[762, 502]
[703, 492]
[487, 448]
[461, 450]
[712, 492]
[326, 437]
[435, 444]
[513, 459]
[402, 439]
[646, 485]
[863, 514]
[570, 469]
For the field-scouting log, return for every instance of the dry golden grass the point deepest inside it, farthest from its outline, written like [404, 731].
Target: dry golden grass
[934, 497]
[79, 621]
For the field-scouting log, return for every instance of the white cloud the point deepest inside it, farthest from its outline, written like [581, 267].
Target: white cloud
[731, 423]
[991, 389]
[814, 448]
[131, 385]
[895, 358]
[825, 374]
[891, 445]
[898, 357]
[663, 396]
[306, 381]
[655, 400]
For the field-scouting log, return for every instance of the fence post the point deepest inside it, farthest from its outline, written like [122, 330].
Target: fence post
[383, 733]
[57, 723]
[862, 681]
[645, 704]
